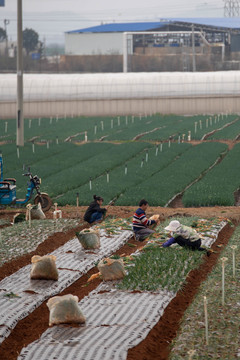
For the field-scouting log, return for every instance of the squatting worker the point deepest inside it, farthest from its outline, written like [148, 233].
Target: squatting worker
[140, 222]
[94, 212]
[184, 236]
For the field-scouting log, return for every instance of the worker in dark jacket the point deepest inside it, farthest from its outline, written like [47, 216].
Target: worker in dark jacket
[94, 212]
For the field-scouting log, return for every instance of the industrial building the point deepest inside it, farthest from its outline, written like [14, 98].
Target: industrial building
[107, 39]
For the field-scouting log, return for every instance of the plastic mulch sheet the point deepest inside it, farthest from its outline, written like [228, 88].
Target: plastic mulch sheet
[116, 321]
[72, 262]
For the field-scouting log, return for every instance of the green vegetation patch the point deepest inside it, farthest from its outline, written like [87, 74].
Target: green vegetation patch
[223, 321]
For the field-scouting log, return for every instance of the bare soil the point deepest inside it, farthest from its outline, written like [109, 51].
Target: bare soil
[157, 343]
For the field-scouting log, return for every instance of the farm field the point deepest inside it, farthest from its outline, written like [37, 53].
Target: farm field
[184, 262]
[125, 158]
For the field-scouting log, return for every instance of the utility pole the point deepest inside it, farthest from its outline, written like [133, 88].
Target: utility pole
[231, 8]
[193, 50]
[6, 22]
[20, 119]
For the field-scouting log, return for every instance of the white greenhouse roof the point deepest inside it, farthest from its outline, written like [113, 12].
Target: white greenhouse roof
[120, 85]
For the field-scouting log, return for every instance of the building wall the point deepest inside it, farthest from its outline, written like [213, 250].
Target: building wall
[114, 107]
[93, 43]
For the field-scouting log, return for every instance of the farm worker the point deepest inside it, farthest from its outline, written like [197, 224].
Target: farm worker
[184, 236]
[140, 222]
[94, 211]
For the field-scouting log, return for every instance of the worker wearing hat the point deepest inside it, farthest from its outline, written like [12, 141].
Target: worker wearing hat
[183, 235]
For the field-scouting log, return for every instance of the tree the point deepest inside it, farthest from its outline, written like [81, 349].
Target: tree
[3, 34]
[30, 40]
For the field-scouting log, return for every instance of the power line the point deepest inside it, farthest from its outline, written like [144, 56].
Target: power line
[231, 8]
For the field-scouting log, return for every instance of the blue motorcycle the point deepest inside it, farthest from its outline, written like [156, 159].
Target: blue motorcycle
[8, 191]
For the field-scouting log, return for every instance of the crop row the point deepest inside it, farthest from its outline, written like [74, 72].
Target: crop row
[219, 184]
[157, 127]
[163, 185]
[132, 173]
[229, 132]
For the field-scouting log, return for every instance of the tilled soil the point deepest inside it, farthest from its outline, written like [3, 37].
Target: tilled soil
[156, 345]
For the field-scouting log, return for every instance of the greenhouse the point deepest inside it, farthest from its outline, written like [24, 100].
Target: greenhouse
[122, 93]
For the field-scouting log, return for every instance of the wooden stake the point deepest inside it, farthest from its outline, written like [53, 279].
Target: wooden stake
[77, 199]
[90, 184]
[29, 207]
[223, 259]
[29, 123]
[234, 247]
[6, 126]
[146, 155]
[39, 121]
[107, 177]
[206, 319]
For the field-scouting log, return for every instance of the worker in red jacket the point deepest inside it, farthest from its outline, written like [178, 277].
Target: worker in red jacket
[140, 222]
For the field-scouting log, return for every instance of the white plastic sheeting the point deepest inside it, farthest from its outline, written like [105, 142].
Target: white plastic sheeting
[115, 322]
[72, 262]
[41, 87]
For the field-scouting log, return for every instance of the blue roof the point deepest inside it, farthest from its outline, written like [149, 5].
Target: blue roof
[230, 23]
[120, 27]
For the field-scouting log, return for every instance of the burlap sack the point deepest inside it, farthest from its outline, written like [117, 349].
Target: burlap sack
[89, 238]
[44, 268]
[36, 213]
[111, 269]
[65, 310]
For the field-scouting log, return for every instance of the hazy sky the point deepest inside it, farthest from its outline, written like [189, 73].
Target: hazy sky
[51, 18]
